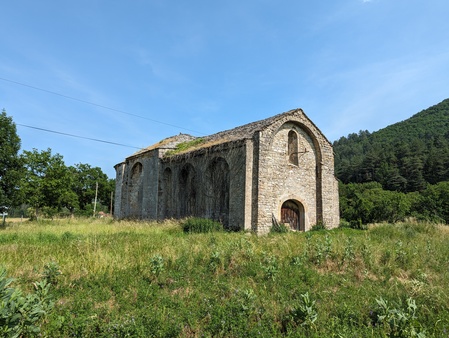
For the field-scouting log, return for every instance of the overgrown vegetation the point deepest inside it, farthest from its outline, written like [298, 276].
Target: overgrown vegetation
[279, 228]
[200, 225]
[183, 146]
[124, 279]
[21, 314]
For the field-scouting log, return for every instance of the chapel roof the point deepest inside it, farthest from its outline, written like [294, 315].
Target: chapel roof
[243, 132]
[167, 143]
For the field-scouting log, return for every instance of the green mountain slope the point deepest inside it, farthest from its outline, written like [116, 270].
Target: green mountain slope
[404, 156]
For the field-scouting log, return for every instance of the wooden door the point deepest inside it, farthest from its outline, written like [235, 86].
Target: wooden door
[290, 215]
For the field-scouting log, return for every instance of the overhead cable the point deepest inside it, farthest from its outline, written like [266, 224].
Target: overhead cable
[77, 136]
[98, 105]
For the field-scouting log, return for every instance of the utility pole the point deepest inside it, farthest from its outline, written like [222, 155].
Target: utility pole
[95, 202]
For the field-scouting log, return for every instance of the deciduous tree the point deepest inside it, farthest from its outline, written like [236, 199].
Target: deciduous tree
[84, 185]
[47, 182]
[10, 163]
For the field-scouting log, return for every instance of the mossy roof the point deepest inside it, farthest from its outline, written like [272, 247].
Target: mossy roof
[232, 135]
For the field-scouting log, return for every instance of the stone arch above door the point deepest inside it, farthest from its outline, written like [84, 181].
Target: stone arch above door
[293, 215]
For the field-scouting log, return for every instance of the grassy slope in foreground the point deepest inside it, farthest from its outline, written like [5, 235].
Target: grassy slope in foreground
[148, 279]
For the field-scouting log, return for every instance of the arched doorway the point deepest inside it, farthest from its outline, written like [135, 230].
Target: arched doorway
[292, 215]
[217, 190]
[187, 191]
[166, 190]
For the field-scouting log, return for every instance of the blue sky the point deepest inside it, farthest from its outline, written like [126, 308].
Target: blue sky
[134, 72]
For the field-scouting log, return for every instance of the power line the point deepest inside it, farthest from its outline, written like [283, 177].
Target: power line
[98, 105]
[77, 136]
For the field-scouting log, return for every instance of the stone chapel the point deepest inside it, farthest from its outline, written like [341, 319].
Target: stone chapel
[280, 169]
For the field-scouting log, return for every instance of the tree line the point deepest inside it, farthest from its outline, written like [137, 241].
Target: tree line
[397, 172]
[37, 182]
[363, 203]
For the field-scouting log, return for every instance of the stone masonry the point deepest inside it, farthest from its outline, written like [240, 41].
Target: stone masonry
[279, 169]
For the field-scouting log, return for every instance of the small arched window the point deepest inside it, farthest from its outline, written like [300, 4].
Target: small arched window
[136, 171]
[293, 147]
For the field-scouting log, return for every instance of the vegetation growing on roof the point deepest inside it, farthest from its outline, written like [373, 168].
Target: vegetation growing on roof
[184, 146]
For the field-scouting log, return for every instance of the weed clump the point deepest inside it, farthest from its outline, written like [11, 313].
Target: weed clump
[353, 224]
[51, 273]
[398, 321]
[184, 146]
[319, 226]
[156, 265]
[280, 228]
[201, 225]
[21, 314]
[303, 314]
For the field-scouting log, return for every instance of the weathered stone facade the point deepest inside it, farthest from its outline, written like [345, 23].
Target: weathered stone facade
[281, 167]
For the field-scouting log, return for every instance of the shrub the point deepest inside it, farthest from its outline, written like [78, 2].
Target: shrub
[303, 314]
[279, 228]
[318, 226]
[344, 223]
[156, 265]
[358, 225]
[21, 314]
[215, 261]
[51, 272]
[397, 320]
[270, 266]
[201, 225]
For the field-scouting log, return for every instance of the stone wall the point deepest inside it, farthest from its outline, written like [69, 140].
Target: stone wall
[118, 198]
[207, 183]
[136, 186]
[309, 182]
[241, 177]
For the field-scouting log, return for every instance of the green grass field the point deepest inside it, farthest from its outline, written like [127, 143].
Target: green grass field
[130, 279]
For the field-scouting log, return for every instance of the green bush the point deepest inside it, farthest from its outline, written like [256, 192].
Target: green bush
[303, 314]
[344, 223]
[270, 266]
[397, 320]
[201, 225]
[51, 273]
[21, 314]
[318, 226]
[156, 265]
[358, 225]
[279, 228]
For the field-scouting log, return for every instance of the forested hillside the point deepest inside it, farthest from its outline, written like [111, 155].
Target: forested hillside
[397, 172]
[402, 157]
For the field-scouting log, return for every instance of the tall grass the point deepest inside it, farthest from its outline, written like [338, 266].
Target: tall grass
[152, 279]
